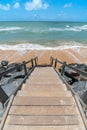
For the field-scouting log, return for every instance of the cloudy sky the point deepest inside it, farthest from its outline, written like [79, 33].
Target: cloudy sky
[53, 10]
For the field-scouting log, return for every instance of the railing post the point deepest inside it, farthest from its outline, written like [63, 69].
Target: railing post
[63, 68]
[32, 63]
[55, 63]
[36, 61]
[51, 59]
[25, 68]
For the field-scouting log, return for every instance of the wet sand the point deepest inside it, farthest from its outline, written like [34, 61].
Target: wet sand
[70, 55]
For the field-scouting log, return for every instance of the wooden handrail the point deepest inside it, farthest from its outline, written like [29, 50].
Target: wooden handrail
[23, 64]
[4, 97]
[78, 100]
[66, 65]
[11, 97]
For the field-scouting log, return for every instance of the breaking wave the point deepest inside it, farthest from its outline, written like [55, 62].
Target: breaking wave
[44, 30]
[10, 29]
[70, 28]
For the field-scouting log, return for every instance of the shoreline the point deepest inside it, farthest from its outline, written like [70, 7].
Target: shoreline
[70, 54]
[29, 46]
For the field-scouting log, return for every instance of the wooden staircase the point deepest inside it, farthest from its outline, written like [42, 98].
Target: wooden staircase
[44, 103]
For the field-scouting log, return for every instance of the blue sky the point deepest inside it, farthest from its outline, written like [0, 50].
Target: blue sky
[53, 10]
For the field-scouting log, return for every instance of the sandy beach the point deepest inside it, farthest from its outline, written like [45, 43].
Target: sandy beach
[69, 54]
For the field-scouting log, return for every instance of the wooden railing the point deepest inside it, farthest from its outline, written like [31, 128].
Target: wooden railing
[32, 61]
[54, 63]
[27, 71]
[4, 98]
[81, 105]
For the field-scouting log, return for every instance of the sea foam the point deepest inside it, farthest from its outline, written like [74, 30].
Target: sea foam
[44, 30]
[70, 28]
[28, 46]
[10, 28]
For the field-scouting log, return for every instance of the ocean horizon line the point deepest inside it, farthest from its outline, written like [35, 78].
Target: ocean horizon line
[59, 21]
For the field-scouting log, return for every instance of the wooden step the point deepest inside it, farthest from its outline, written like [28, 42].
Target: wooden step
[43, 110]
[43, 77]
[21, 127]
[47, 101]
[45, 71]
[44, 83]
[43, 80]
[44, 68]
[43, 120]
[47, 74]
[43, 88]
[44, 93]
[40, 86]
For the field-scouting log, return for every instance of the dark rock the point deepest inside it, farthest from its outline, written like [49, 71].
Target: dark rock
[4, 63]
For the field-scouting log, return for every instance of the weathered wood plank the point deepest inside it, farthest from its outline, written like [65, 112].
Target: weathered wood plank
[54, 78]
[43, 110]
[44, 83]
[45, 93]
[24, 100]
[39, 89]
[39, 86]
[43, 120]
[43, 87]
[65, 127]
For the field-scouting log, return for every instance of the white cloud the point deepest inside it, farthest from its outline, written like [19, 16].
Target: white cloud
[35, 5]
[68, 5]
[16, 5]
[5, 7]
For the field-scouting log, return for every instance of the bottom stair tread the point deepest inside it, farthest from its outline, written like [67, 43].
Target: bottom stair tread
[67, 127]
[43, 120]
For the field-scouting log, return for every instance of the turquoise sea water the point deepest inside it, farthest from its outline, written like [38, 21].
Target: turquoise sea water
[49, 34]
